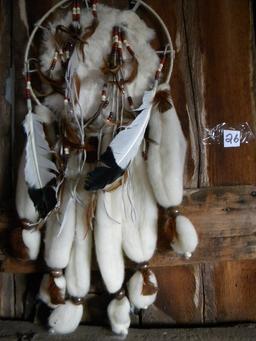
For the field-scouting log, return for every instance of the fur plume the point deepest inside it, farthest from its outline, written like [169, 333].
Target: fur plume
[108, 239]
[119, 315]
[142, 289]
[78, 270]
[56, 292]
[166, 157]
[32, 239]
[60, 233]
[186, 239]
[65, 318]
[139, 226]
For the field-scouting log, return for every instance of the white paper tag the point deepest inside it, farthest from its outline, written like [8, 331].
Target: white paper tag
[231, 138]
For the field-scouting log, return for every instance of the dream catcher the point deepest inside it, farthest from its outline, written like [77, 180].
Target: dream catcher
[104, 147]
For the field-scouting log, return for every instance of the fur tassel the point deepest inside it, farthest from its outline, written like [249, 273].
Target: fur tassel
[142, 289]
[78, 270]
[119, 315]
[60, 233]
[52, 290]
[24, 244]
[166, 156]
[65, 318]
[56, 289]
[32, 240]
[139, 228]
[185, 239]
[108, 239]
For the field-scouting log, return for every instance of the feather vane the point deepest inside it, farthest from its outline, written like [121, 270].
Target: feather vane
[126, 144]
[123, 148]
[39, 168]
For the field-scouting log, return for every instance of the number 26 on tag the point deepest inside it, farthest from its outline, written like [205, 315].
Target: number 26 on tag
[231, 138]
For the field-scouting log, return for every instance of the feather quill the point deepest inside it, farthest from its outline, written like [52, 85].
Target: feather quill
[123, 148]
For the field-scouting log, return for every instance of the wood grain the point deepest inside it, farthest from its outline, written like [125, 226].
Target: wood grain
[221, 51]
[5, 106]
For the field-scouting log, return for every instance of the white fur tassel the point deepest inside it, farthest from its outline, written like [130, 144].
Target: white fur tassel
[135, 291]
[186, 241]
[32, 239]
[44, 296]
[166, 156]
[139, 226]
[60, 234]
[108, 238]
[65, 318]
[26, 210]
[119, 315]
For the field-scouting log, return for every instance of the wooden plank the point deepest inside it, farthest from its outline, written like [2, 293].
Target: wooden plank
[20, 330]
[7, 298]
[179, 297]
[5, 106]
[225, 221]
[221, 53]
[221, 50]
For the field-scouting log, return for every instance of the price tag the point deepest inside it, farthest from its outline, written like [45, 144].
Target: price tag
[231, 138]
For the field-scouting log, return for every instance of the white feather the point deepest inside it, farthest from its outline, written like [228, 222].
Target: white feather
[39, 167]
[119, 315]
[187, 239]
[65, 318]
[135, 286]
[166, 157]
[126, 144]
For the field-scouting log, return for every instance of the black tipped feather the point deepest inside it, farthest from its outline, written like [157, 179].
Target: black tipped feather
[100, 177]
[44, 199]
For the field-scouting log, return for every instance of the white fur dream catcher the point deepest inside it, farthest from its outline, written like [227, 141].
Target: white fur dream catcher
[103, 148]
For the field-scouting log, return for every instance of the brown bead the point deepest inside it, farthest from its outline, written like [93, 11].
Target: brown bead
[77, 300]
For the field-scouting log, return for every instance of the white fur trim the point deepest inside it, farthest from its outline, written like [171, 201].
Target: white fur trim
[58, 245]
[65, 318]
[139, 228]
[32, 239]
[108, 239]
[187, 239]
[135, 285]
[166, 157]
[78, 270]
[97, 49]
[119, 315]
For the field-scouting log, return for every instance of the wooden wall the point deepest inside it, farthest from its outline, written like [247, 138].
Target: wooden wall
[213, 82]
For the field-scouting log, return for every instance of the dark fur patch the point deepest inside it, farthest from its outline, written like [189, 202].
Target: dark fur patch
[16, 246]
[163, 101]
[55, 292]
[148, 288]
